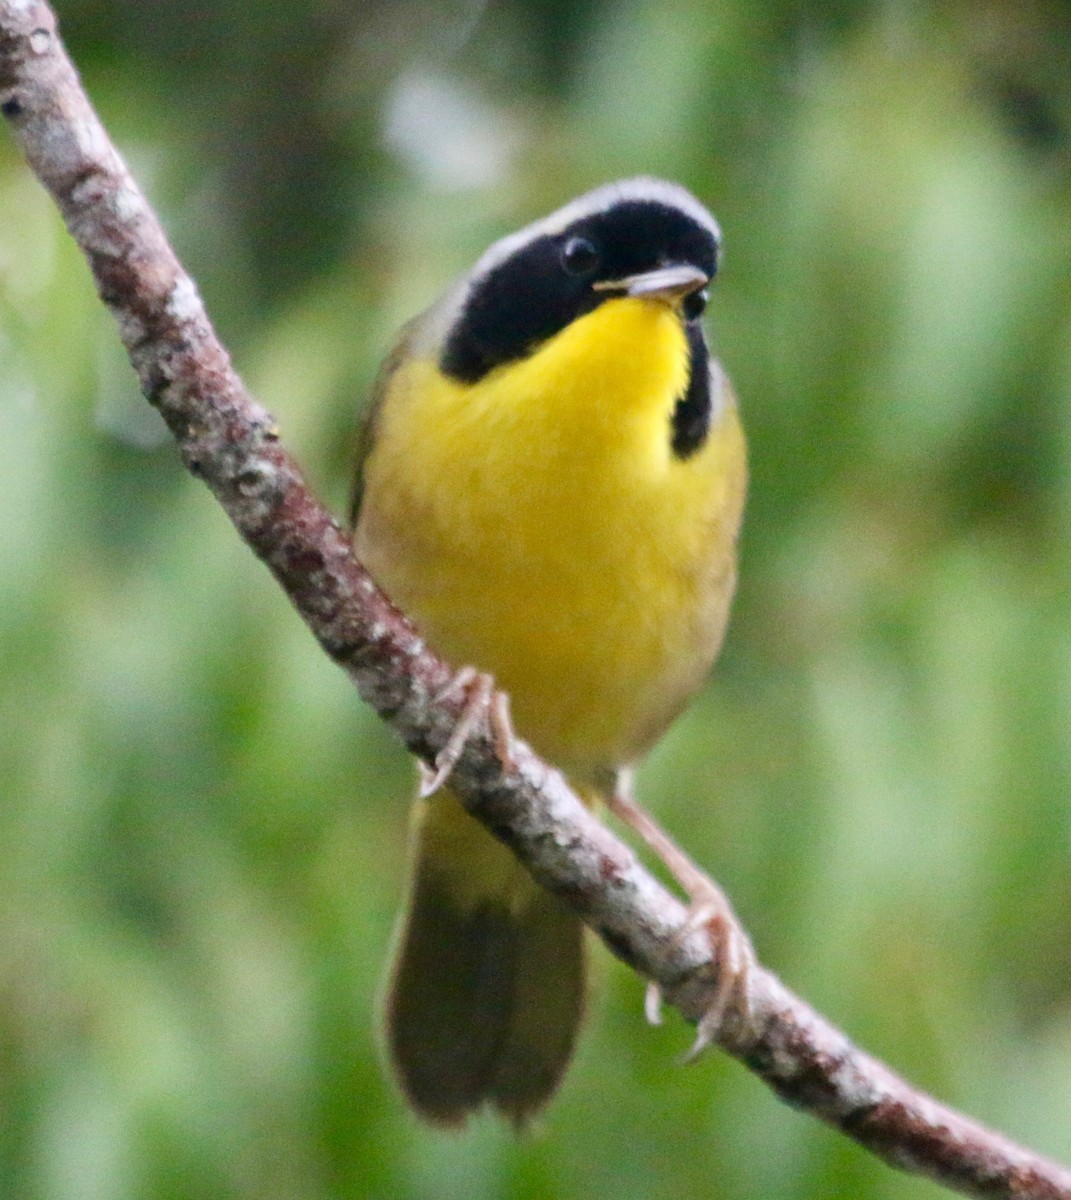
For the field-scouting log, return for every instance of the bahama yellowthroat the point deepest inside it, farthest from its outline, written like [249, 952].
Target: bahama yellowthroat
[550, 483]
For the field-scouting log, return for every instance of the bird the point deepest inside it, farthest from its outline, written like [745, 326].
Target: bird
[550, 483]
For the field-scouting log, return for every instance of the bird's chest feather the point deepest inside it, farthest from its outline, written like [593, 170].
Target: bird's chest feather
[539, 526]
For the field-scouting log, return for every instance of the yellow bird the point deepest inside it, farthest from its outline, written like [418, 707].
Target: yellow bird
[550, 484]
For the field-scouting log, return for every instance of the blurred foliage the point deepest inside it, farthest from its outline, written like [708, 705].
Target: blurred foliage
[202, 831]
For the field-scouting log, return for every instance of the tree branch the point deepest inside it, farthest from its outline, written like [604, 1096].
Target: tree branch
[230, 442]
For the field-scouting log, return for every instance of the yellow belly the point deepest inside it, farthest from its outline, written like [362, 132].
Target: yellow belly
[537, 525]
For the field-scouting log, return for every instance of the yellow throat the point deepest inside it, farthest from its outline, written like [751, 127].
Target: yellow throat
[537, 525]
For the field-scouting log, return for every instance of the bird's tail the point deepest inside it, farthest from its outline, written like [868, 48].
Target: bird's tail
[488, 985]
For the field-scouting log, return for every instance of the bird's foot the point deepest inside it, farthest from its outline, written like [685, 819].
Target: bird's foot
[482, 700]
[732, 956]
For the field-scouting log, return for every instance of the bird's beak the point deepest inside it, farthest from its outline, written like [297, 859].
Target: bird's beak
[667, 283]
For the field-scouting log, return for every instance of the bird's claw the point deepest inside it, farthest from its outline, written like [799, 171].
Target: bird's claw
[732, 956]
[732, 959]
[481, 700]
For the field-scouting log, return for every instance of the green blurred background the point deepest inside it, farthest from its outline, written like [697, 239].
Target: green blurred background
[202, 831]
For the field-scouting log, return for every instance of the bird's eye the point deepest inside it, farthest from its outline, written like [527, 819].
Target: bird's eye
[579, 256]
[695, 304]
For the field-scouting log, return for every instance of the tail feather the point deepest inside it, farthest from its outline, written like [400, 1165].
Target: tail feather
[487, 990]
[548, 998]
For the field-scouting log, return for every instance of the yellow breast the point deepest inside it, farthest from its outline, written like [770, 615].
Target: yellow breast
[537, 525]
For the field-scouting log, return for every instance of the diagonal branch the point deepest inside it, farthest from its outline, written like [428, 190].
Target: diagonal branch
[231, 443]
